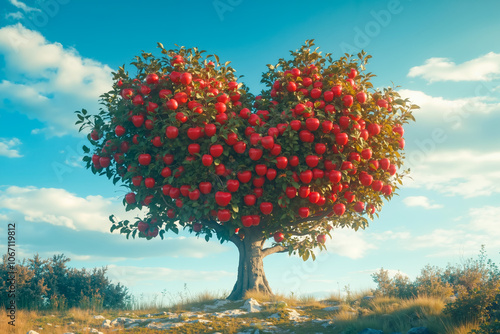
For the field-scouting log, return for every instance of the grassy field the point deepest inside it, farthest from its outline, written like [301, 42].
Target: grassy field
[278, 314]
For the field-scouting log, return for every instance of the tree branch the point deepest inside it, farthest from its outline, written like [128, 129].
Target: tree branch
[274, 249]
[279, 249]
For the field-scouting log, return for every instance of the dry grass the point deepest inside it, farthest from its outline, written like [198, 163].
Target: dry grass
[459, 329]
[353, 315]
[52, 321]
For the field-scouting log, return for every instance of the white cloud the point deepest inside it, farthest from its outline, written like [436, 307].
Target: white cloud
[52, 85]
[15, 16]
[451, 112]
[486, 219]
[7, 147]
[60, 207]
[481, 228]
[348, 243]
[420, 201]
[390, 235]
[66, 210]
[464, 173]
[483, 68]
[23, 6]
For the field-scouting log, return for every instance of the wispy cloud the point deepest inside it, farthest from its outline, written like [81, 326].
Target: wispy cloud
[420, 201]
[23, 6]
[14, 15]
[349, 243]
[483, 68]
[481, 227]
[8, 147]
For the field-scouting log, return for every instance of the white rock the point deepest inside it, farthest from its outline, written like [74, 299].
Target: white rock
[99, 317]
[106, 324]
[32, 332]
[229, 313]
[251, 306]
[293, 315]
[200, 321]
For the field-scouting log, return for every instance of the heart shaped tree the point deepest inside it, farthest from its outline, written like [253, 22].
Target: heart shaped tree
[319, 148]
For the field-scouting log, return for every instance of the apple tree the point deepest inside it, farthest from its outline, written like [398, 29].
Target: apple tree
[318, 149]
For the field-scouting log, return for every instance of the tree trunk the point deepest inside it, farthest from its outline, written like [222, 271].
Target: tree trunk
[251, 274]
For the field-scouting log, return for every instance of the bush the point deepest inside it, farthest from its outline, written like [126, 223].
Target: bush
[431, 283]
[399, 286]
[477, 283]
[50, 284]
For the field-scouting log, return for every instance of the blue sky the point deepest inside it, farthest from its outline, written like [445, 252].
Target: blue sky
[56, 57]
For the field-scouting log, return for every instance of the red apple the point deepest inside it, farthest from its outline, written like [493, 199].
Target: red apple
[130, 198]
[312, 124]
[279, 237]
[281, 162]
[339, 209]
[144, 159]
[224, 215]
[216, 150]
[233, 185]
[266, 208]
[312, 160]
[359, 206]
[341, 138]
[244, 176]
[250, 199]
[321, 238]
[207, 160]
[222, 198]
[205, 187]
[306, 176]
[291, 192]
[194, 195]
[304, 212]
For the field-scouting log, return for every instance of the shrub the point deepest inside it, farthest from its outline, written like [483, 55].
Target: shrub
[399, 286]
[431, 283]
[50, 284]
